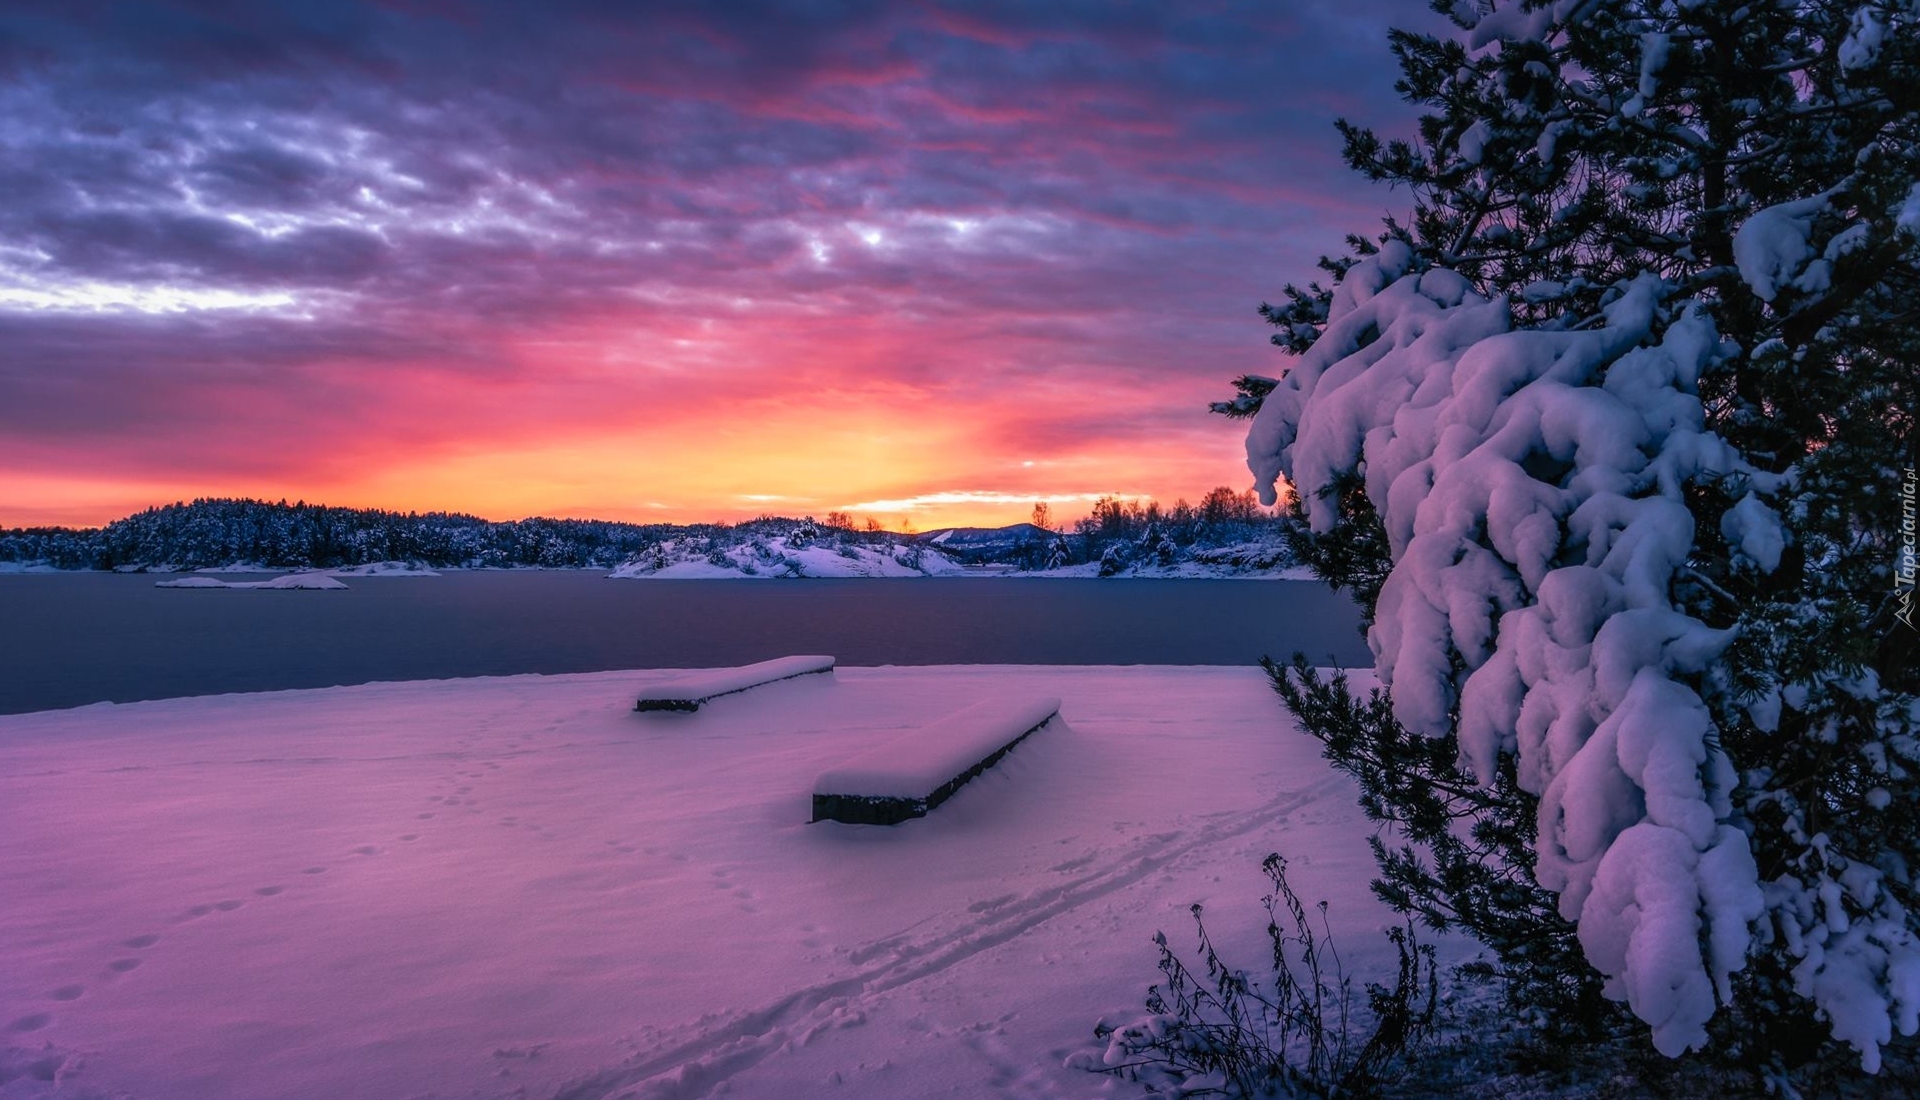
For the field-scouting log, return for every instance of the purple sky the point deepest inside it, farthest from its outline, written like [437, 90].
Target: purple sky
[665, 260]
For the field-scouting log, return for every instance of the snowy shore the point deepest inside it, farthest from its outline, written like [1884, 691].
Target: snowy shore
[519, 887]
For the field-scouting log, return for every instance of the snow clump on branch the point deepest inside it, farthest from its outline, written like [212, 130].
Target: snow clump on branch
[1530, 484]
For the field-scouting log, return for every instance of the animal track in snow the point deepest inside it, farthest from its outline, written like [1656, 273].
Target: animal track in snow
[67, 993]
[147, 940]
[121, 966]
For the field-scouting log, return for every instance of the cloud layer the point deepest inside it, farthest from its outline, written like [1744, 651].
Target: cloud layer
[665, 260]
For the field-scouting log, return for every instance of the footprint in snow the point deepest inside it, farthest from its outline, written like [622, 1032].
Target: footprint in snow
[147, 940]
[31, 1023]
[269, 891]
[68, 993]
[121, 966]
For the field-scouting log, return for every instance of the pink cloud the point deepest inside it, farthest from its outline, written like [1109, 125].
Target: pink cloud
[681, 257]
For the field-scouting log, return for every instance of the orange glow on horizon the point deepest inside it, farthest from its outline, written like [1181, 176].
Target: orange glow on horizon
[680, 422]
[890, 262]
[691, 470]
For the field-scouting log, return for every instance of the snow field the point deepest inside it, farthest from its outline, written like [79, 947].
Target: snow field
[520, 887]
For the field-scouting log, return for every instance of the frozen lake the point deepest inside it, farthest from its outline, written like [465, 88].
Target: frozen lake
[72, 639]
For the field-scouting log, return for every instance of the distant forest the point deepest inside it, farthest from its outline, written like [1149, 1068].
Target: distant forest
[211, 533]
[281, 535]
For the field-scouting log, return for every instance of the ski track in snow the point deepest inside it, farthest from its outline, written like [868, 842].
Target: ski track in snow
[695, 1066]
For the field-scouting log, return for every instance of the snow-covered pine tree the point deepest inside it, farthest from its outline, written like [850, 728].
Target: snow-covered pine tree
[1611, 443]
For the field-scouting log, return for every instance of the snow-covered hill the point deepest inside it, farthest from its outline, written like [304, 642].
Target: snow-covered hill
[993, 542]
[803, 551]
[775, 549]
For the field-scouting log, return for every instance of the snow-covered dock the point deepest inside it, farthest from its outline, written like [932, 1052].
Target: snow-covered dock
[910, 775]
[691, 692]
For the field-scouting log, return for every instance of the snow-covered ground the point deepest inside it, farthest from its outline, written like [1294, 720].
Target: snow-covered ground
[520, 887]
[383, 569]
[321, 580]
[291, 582]
[779, 556]
[783, 556]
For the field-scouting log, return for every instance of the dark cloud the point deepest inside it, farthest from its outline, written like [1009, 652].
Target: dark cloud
[1096, 186]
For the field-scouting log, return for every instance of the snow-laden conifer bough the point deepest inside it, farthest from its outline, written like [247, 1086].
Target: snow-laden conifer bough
[1634, 557]
[910, 775]
[689, 693]
[1530, 485]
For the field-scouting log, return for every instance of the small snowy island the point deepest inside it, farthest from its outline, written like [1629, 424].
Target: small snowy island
[292, 582]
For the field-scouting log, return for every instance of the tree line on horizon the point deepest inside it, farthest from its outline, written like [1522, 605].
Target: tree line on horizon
[210, 532]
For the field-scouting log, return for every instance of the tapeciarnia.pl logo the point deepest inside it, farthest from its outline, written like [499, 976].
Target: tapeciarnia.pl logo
[1903, 573]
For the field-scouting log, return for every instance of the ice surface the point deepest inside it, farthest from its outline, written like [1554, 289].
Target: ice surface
[517, 886]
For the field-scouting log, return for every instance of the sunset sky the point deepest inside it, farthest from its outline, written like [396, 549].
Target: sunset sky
[925, 262]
